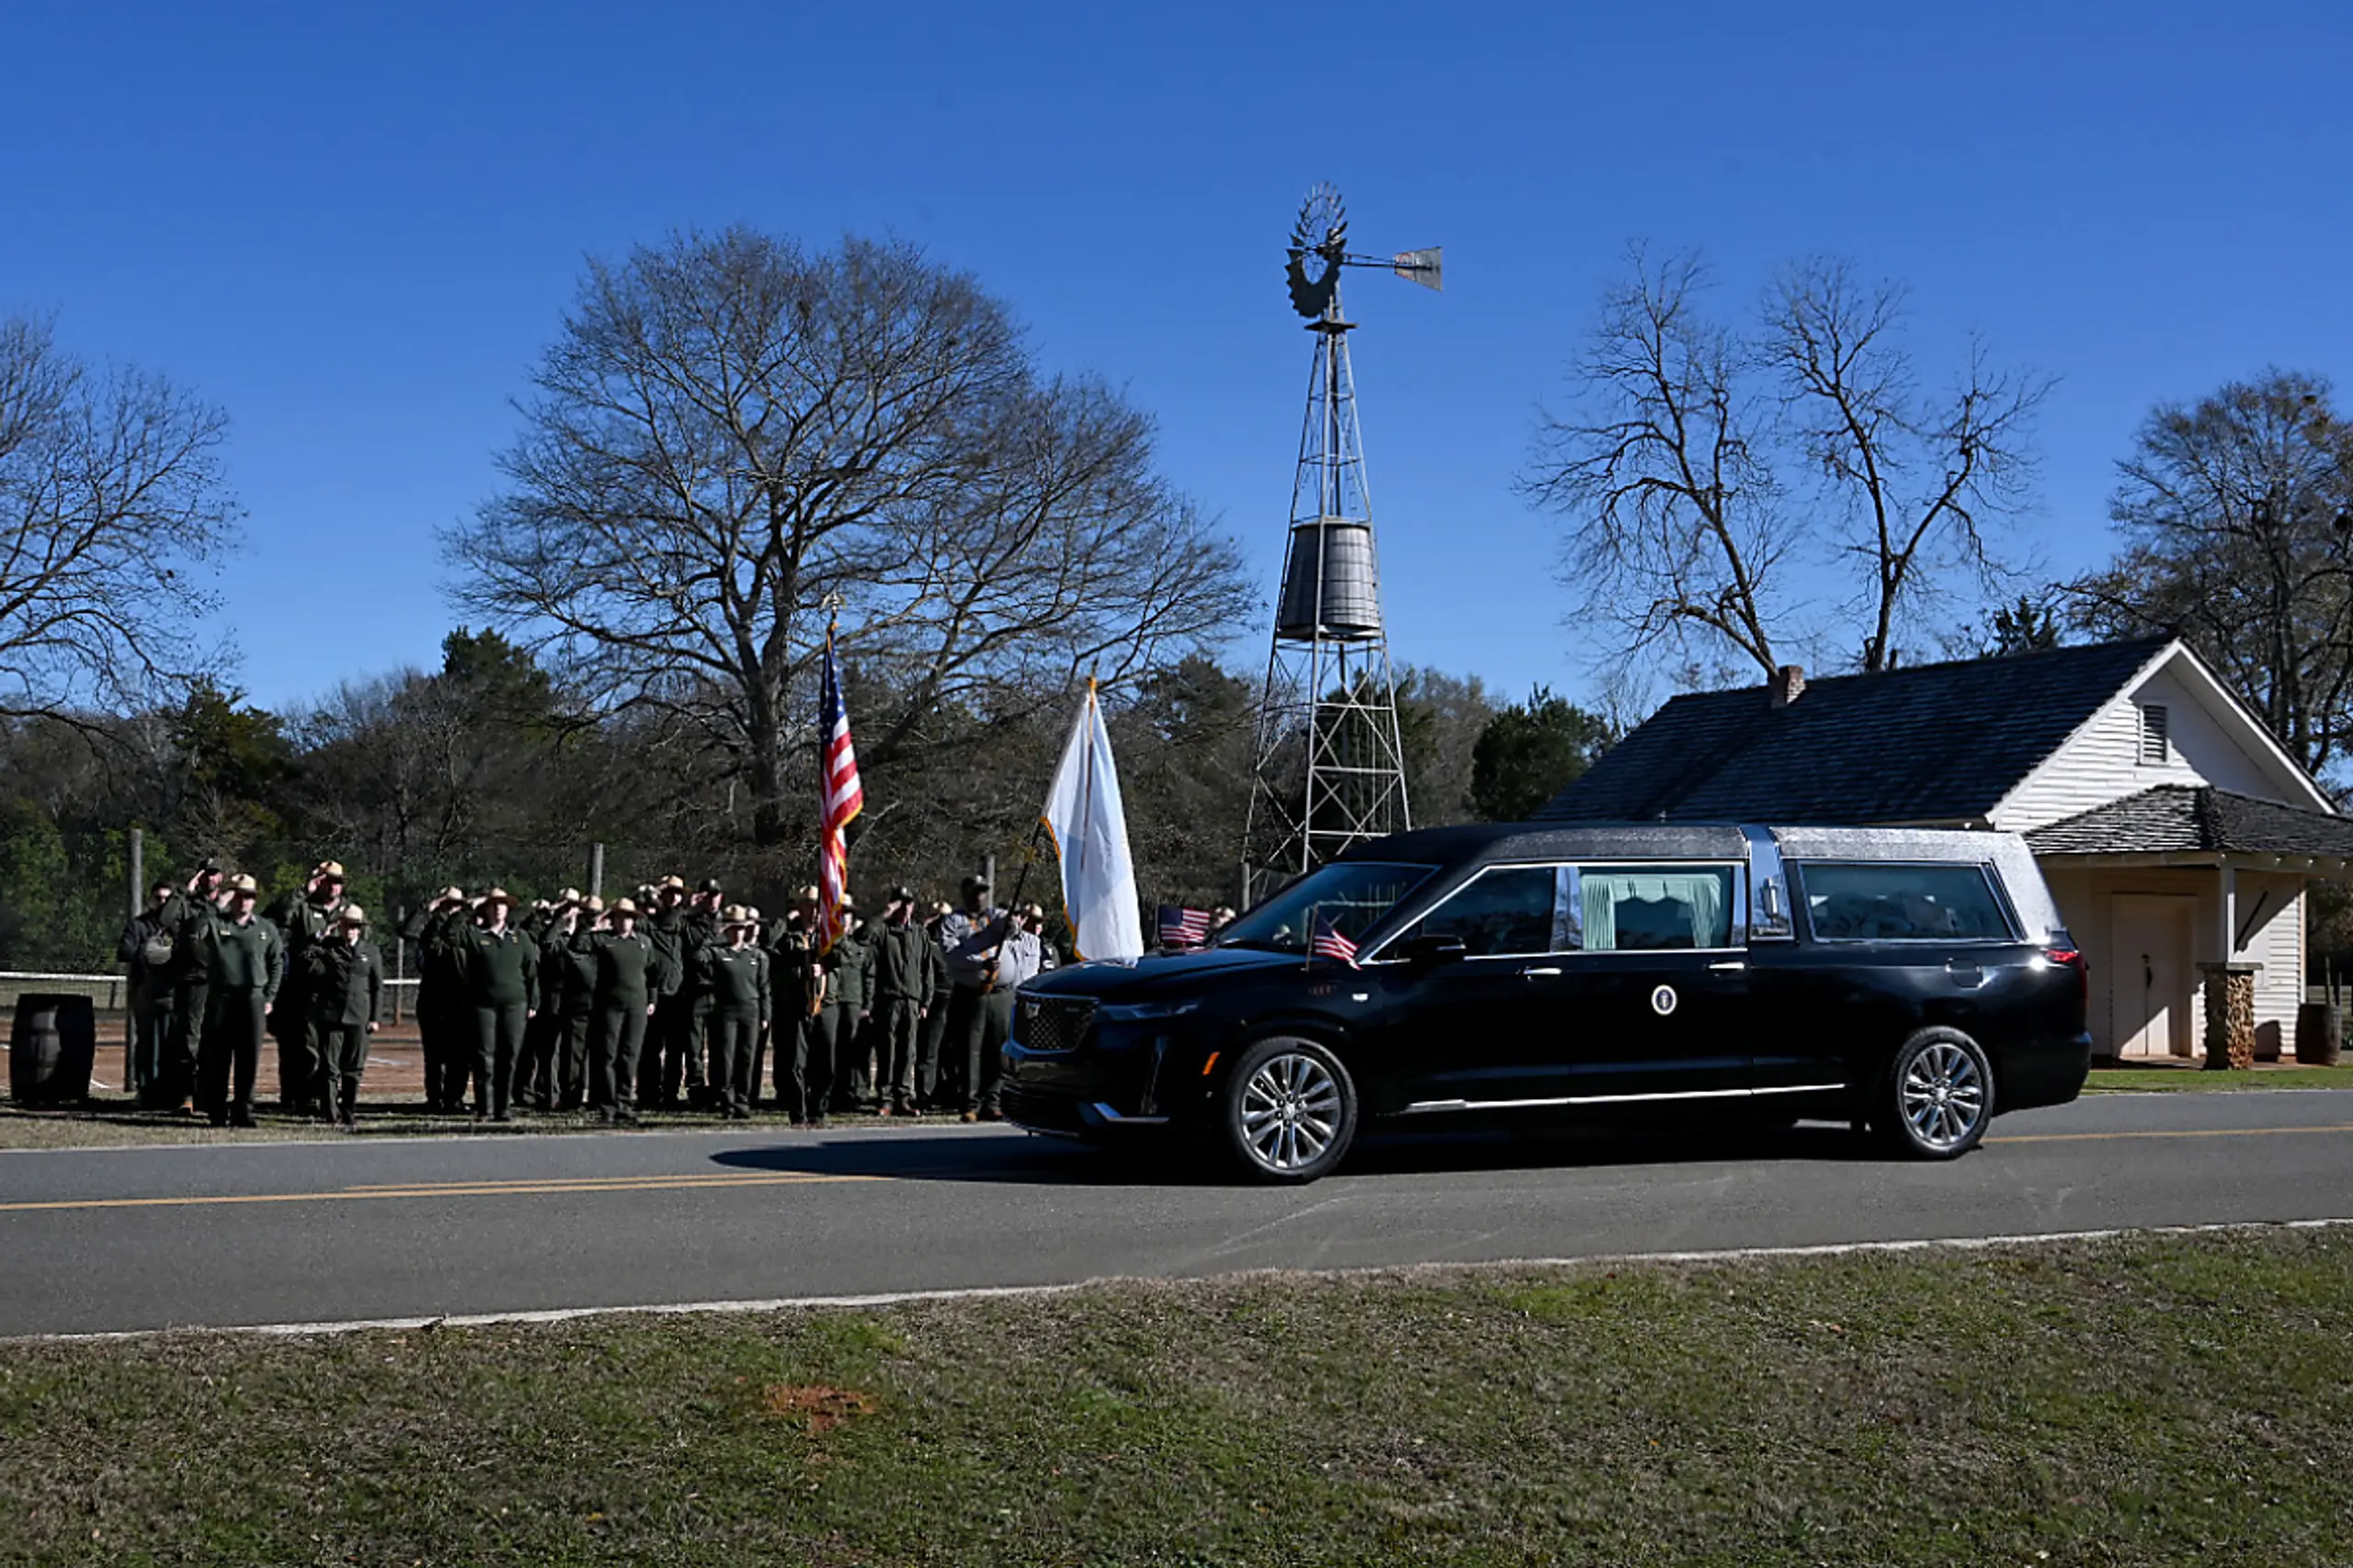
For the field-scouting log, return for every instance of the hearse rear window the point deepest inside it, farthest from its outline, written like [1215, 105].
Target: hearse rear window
[1901, 904]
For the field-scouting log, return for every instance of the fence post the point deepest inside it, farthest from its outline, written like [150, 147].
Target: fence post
[596, 869]
[399, 959]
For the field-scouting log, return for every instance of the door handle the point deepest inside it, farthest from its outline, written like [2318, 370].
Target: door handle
[1532, 973]
[1728, 966]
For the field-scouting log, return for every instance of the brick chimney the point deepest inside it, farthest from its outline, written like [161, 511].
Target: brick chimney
[1787, 685]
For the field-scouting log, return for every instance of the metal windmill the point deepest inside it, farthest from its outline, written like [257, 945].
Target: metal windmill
[1331, 766]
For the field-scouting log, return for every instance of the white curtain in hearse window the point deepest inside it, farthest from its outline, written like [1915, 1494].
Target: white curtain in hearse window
[1651, 908]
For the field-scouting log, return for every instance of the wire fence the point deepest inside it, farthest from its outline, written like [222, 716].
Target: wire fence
[111, 992]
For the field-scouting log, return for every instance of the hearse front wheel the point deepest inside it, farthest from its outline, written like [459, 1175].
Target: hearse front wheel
[1287, 1112]
[1936, 1097]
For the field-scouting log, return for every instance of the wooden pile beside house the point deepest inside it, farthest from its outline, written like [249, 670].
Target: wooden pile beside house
[2176, 834]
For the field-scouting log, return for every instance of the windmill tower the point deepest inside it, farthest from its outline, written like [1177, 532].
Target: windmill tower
[1331, 765]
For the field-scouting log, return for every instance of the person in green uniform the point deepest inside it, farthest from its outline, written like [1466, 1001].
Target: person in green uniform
[849, 968]
[666, 930]
[622, 1000]
[799, 992]
[344, 989]
[439, 992]
[245, 962]
[736, 976]
[906, 971]
[502, 979]
[934, 1089]
[192, 910]
[146, 951]
[567, 994]
[682, 1064]
[302, 917]
[549, 928]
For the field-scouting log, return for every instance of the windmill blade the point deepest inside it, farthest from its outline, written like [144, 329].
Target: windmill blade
[1421, 267]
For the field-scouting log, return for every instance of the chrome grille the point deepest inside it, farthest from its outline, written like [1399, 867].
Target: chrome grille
[1053, 1023]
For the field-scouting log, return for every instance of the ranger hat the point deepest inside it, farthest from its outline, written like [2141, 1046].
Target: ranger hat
[243, 883]
[569, 895]
[735, 914]
[594, 905]
[624, 906]
[976, 883]
[352, 915]
[451, 895]
[495, 896]
[668, 883]
[752, 912]
[331, 870]
[809, 895]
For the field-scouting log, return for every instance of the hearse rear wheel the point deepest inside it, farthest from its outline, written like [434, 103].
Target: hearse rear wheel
[1287, 1112]
[1935, 1098]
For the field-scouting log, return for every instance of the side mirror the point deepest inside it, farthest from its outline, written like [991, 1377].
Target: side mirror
[1425, 950]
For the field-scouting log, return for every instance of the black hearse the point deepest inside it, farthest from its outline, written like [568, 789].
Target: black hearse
[1913, 981]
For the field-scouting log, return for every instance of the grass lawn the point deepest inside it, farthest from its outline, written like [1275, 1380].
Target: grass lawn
[2151, 1399]
[2197, 1079]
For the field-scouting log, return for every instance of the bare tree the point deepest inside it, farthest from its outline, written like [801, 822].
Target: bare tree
[112, 498]
[1918, 477]
[1705, 463]
[1676, 527]
[2237, 517]
[732, 431]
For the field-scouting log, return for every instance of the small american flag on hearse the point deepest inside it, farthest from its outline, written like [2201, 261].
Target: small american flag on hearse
[1182, 929]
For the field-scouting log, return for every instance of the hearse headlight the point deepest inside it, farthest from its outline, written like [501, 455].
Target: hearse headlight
[1144, 1012]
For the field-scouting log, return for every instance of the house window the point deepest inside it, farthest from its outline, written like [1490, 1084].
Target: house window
[2153, 734]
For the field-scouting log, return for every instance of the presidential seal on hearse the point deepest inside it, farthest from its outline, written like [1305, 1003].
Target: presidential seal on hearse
[1915, 982]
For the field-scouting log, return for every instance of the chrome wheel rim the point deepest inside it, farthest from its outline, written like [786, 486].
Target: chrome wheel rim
[1291, 1111]
[1943, 1095]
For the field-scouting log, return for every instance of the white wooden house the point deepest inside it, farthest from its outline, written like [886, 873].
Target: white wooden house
[2176, 834]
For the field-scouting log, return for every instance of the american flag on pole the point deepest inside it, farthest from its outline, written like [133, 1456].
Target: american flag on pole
[1328, 943]
[1182, 929]
[841, 798]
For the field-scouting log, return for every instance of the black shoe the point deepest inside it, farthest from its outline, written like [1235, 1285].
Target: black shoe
[502, 1116]
[240, 1119]
[627, 1115]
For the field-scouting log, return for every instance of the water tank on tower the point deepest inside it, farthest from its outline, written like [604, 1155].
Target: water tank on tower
[1331, 587]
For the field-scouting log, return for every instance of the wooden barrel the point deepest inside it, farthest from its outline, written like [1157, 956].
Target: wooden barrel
[2320, 1034]
[52, 1049]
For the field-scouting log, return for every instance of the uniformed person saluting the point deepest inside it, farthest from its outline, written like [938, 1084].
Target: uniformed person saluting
[907, 969]
[568, 990]
[302, 917]
[343, 986]
[501, 978]
[624, 1001]
[736, 977]
[244, 963]
[444, 1013]
[187, 915]
[146, 951]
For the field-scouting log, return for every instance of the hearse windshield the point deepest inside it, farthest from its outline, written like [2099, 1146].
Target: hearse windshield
[1349, 895]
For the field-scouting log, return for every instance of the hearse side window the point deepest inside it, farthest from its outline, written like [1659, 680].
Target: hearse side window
[1901, 904]
[1501, 912]
[1649, 908]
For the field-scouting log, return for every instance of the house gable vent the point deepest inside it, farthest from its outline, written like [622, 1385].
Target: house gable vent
[2153, 734]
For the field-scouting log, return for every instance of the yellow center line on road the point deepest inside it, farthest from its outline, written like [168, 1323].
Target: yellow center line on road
[448, 1189]
[2177, 1133]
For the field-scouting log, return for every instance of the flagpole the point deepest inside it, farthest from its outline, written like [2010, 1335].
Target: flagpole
[1021, 878]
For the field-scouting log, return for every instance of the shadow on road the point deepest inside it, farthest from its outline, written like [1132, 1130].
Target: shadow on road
[1053, 1163]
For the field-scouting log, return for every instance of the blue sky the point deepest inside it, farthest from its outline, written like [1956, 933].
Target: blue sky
[355, 226]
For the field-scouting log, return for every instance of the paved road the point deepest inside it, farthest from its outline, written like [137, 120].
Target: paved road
[370, 1228]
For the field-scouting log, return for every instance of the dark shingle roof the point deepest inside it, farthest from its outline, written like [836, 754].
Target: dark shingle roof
[2188, 817]
[1937, 743]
